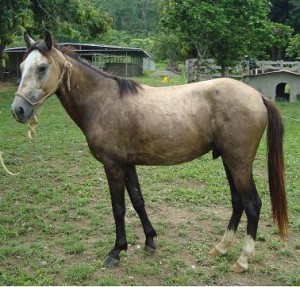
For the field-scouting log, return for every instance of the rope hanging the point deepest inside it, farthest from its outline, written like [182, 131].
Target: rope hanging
[31, 135]
[34, 121]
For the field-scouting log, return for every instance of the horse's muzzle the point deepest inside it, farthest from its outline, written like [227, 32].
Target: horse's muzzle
[22, 111]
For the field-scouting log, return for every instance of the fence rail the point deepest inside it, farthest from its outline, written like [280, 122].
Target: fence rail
[208, 68]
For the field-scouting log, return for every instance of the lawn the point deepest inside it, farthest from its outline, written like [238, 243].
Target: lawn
[56, 223]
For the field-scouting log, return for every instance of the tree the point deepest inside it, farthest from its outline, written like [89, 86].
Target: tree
[294, 15]
[293, 49]
[140, 17]
[76, 19]
[287, 13]
[13, 14]
[281, 35]
[170, 47]
[226, 30]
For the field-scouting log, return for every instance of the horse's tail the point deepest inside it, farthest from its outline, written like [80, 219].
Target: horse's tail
[275, 133]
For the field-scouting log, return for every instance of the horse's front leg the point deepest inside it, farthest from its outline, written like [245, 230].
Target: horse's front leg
[116, 182]
[136, 197]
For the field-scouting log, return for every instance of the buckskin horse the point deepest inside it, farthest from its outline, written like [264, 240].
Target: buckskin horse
[127, 124]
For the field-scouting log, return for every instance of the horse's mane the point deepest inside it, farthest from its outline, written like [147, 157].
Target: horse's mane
[126, 86]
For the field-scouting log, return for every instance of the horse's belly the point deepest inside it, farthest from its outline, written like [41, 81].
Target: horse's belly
[162, 155]
[151, 159]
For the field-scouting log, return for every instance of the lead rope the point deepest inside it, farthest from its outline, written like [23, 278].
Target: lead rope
[31, 135]
[34, 121]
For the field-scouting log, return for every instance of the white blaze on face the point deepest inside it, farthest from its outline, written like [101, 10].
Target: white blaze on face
[32, 81]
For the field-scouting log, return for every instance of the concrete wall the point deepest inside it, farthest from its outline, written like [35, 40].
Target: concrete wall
[267, 83]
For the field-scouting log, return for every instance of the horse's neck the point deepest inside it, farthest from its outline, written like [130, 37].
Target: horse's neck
[81, 90]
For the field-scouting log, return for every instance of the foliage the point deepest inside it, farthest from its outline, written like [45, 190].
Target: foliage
[13, 14]
[293, 49]
[76, 20]
[125, 39]
[140, 17]
[281, 35]
[294, 15]
[226, 30]
[169, 46]
[286, 12]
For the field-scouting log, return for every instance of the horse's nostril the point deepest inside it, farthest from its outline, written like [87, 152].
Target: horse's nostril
[20, 112]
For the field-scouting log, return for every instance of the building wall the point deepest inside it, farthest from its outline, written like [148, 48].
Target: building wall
[119, 64]
[267, 83]
[13, 62]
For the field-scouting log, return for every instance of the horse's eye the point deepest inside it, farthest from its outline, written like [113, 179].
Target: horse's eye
[42, 69]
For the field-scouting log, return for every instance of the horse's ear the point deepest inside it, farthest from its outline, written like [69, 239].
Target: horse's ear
[28, 41]
[48, 39]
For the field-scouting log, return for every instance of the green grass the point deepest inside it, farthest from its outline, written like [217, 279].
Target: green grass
[56, 222]
[78, 273]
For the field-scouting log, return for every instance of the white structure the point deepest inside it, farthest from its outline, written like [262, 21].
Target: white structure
[272, 84]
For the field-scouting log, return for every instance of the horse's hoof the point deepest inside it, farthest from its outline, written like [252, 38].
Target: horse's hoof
[214, 252]
[237, 268]
[110, 261]
[148, 249]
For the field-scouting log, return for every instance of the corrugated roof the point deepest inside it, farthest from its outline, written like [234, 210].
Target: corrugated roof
[94, 49]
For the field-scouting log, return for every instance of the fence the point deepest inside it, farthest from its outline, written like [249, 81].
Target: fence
[207, 69]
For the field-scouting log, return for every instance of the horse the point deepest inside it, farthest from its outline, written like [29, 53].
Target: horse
[128, 124]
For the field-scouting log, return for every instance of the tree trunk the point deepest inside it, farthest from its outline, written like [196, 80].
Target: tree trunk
[224, 73]
[144, 14]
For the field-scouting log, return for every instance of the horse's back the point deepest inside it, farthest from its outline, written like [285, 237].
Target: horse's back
[170, 125]
[180, 123]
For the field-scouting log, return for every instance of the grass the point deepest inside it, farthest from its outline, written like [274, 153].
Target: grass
[56, 223]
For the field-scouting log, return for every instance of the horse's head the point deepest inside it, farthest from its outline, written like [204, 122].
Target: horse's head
[41, 74]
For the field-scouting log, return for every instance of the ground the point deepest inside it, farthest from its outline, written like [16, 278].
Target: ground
[56, 223]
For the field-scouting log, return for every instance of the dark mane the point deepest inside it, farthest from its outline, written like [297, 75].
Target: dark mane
[126, 86]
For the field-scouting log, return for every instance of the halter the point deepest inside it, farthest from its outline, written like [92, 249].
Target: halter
[34, 105]
[33, 122]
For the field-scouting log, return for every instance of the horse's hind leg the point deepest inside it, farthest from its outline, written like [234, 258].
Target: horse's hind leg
[252, 205]
[237, 211]
[244, 197]
[135, 194]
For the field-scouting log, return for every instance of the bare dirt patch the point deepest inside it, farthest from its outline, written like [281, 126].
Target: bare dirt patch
[202, 232]
[4, 87]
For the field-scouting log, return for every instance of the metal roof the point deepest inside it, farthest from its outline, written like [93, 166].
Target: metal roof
[94, 49]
